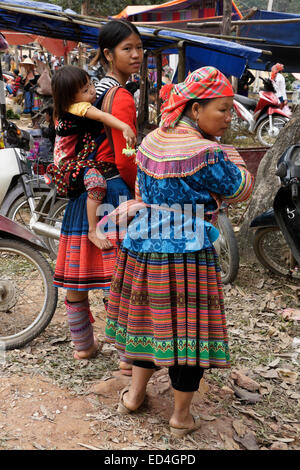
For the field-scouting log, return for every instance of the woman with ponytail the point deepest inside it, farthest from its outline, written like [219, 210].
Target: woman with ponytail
[81, 266]
[166, 306]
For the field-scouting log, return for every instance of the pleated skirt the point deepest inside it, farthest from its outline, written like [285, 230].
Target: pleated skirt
[168, 308]
[80, 264]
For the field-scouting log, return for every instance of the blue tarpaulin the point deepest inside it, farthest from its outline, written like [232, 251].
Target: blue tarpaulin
[282, 39]
[52, 21]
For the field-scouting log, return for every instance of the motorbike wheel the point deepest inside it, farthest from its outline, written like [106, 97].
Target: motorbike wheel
[273, 252]
[28, 297]
[227, 248]
[56, 216]
[263, 130]
[20, 211]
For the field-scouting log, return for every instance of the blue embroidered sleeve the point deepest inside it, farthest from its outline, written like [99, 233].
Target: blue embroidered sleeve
[222, 177]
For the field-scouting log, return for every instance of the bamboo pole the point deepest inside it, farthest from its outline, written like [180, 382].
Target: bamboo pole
[193, 33]
[56, 17]
[249, 22]
[12, 6]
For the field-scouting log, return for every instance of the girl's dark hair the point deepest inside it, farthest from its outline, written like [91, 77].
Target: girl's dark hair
[65, 83]
[114, 32]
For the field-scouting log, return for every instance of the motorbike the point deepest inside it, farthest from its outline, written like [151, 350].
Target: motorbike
[25, 196]
[28, 297]
[264, 117]
[277, 231]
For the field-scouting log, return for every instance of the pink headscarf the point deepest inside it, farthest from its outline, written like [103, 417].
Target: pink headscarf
[275, 69]
[206, 82]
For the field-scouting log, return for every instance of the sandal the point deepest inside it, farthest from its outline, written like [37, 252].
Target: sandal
[181, 432]
[121, 406]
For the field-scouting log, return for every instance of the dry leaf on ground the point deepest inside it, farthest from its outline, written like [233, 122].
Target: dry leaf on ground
[243, 381]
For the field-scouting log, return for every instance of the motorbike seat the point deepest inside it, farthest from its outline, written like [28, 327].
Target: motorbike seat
[248, 102]
[266, 219]
[288, 218]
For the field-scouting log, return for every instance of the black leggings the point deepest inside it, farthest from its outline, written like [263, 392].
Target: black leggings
[183, 378]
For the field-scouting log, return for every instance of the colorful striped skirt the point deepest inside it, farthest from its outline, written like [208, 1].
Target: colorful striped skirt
[80, 265]
[168, 308]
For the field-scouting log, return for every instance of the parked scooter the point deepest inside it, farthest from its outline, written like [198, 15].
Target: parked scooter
[24, 196]
[264, 117]
[28, 298]
[277, 237]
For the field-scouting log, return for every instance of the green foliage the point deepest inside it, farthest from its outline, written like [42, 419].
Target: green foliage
[11, 115]
[289, 79]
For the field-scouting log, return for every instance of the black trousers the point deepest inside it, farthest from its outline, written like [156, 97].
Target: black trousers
[183, 378]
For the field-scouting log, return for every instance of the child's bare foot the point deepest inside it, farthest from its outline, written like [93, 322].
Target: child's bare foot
[87, 353]
[102, 243]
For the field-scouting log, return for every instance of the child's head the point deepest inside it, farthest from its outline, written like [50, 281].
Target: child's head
[70, 84]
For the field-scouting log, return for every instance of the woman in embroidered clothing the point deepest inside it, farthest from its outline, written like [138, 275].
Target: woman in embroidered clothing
[73, 95]
[166, 304]
[80, 265]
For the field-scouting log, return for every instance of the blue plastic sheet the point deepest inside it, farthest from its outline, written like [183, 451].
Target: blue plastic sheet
[231, 58]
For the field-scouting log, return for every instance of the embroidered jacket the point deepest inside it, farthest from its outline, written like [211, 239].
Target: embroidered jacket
[191, 176]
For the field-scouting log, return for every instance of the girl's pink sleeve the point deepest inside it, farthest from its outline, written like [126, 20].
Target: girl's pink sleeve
[124, 109]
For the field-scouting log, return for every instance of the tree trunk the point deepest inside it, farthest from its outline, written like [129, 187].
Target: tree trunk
[267, 183]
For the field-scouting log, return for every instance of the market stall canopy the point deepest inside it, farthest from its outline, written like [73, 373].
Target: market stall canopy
[57, 47]
[177, 12]
[51, 21]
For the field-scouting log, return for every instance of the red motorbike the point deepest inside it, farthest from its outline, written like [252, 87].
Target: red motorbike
[265, 117]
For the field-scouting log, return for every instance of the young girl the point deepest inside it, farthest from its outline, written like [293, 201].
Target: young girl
[77, 118]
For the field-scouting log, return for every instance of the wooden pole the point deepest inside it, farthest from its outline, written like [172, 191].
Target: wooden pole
[142, 112]
[159, 83]
[80, 62]
[181, 61]
[249, 22]
[226, 21]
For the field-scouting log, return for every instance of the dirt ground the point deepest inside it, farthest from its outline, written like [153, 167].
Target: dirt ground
[49, 401]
